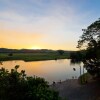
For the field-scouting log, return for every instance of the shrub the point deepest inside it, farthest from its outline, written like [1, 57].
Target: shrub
[16, 85]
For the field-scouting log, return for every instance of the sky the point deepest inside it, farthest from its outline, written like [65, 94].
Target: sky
[45, 24]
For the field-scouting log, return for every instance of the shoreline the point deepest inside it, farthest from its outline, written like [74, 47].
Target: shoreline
[71, 90]
[33, 60]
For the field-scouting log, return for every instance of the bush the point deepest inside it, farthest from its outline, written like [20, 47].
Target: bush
[16, 85]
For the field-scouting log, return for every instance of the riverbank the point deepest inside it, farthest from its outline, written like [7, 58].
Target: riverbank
[72, 90]
[33, 56]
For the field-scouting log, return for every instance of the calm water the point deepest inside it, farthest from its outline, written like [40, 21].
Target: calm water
[50, 70]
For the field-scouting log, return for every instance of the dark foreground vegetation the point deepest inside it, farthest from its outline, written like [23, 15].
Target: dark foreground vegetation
[32, 55]
[16, 85]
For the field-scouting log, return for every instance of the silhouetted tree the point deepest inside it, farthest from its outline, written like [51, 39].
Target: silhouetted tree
[76, 57]
[91, 40]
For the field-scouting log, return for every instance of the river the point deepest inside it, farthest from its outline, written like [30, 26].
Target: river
[51, 70]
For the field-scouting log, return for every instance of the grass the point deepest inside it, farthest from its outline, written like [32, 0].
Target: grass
[83, 79]
[33, 56]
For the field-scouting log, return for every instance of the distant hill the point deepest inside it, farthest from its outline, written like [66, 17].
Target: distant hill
[6, 50]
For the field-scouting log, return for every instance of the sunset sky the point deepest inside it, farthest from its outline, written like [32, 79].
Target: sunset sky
[45, 24]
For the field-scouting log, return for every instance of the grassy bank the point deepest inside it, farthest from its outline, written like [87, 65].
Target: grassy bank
[33, 56]
[85, 78]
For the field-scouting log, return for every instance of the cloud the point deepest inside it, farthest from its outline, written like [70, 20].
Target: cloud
[11, 16]
[57, 17]
[46, 22]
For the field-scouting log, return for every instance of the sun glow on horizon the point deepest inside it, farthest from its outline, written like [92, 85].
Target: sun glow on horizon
[45, 24]
[35, 47]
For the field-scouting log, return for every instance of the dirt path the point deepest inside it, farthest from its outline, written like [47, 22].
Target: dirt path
[71, 90]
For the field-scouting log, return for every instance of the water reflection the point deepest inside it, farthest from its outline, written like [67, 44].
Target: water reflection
[74, 61]
[50, 70]
[78, 62]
